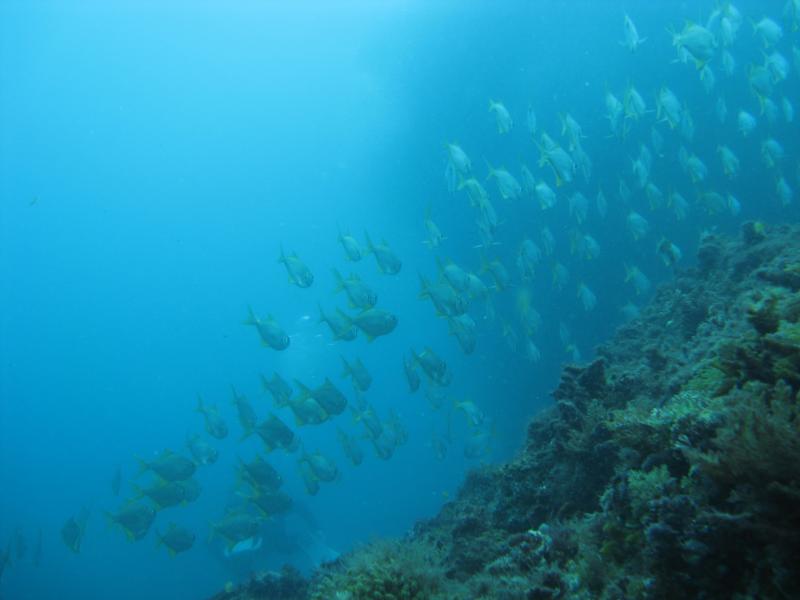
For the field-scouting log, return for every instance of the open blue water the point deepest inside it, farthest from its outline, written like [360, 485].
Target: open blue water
[155, 156]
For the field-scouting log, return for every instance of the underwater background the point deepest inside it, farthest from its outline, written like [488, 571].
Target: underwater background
[155, 159]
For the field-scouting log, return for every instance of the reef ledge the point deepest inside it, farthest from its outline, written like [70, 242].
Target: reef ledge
[669, 467]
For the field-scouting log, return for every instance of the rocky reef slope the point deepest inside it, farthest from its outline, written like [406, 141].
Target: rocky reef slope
[667, 468]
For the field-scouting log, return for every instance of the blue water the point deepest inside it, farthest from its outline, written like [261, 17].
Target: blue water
[154, 158]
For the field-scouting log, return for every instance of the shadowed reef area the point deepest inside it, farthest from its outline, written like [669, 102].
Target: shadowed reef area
[667, 468]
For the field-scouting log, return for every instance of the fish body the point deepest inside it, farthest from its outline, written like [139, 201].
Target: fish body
[271, 333]
[375, 322]
[433, 366]
[388, 262]
[507, 185]
[135, 519]
[275, 434]
[668, 107]
[444, 298]
[730, 162]
[358, 374]
[169, 465]
[352, 248]
[631, 40]
[176, 539]
[236, 527]
[350, 448]
[412, 377]
[341, 328]
[299, 274]
[359, 294]
[698, 41]
[269, 503]
[557, 159]
[280, 391]
[247, 416]
[260, 474]
[322, 467]
[502, 117]
[327, 395]
[164, 494]
[215, 424]
[73, 530]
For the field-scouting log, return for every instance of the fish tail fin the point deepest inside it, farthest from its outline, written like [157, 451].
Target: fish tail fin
[345, 316]
[251, 317]
[143, 465]
[200, 406]
[322, 317]
[339, 280]
[138, 493]
[305, 391]
[110, 520]
[264, 382]
[348, 370]
[282, 258]
[424, 285]
[490, 167]
[370, 246]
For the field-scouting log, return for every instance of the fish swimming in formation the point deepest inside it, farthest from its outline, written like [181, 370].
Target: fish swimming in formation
[340, 326]
[388, 262]
[236, 527]
[358, 374]
[412, 377]
[326, 395]
[433, 366]
[215, 424]
[260, 474]
[435, 236]
[247, 416]
[374, 322]
[270, 503]
[275, 434]
[350, 448]
[299, 274]
[164, 494]
[502, 116]
[73, 530]
[305, 407]
[321, 467]
[176, 539]
[169, 465]
[202, 452]
[352, 249]
[280, 391]
[631, 39]
[271, 334]
[134, 518]
[359, 294]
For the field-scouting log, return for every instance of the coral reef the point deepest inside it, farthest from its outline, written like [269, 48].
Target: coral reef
[288, 584]
[667, 468]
